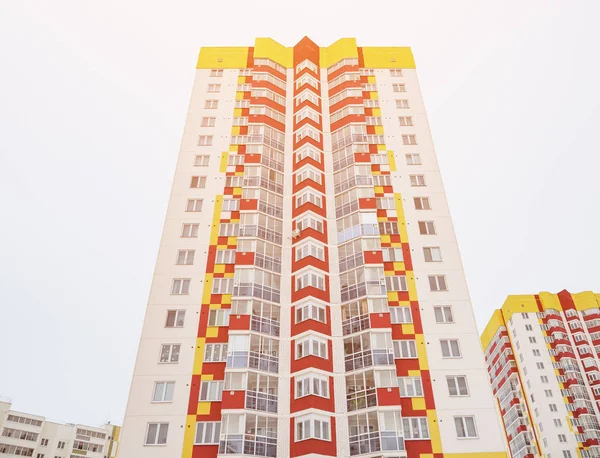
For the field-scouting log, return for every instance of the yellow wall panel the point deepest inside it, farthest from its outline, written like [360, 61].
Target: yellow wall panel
[388, 57]
[223, 57]
[269, 49]
[344, 48]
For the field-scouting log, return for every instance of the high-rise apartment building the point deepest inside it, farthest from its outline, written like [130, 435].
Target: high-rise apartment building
[309, 298]
[24, 434]
[542, 356]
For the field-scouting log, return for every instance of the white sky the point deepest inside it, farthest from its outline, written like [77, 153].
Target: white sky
[93, 97]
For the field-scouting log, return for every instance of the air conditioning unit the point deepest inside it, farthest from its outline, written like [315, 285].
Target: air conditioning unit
[296, 233]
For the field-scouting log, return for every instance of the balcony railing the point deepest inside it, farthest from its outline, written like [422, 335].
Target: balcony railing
[253, 360]
[369, 358]
[270, 209]
[263, 183]
[357, 231]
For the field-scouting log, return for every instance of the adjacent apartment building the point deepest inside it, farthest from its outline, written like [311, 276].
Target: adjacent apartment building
[542, 353]
[24, 434]
[309, 297]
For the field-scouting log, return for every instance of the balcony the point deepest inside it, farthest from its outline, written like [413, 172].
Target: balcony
[263, 182]
[256, 290]
[248, 444]
[270, 209]
[361, 399]
[350, 292]
[261, 401]
[376, 441]
[264, 325]
[356, 324]
[357, 231]
[369, 358]
[267, 262]
[253, 360]
[264, 233]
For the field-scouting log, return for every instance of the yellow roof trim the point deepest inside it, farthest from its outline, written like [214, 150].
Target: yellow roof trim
[492, 328]
[269, 49]
[388, 57]
[223, 57]
[344, 48]
[586, 300]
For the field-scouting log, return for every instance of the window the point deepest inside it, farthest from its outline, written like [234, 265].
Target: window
[214, 88]
[216, 73]
[211, 390]
[405, 121]
[404, 349]
[169, 353]
[61, 445]
[44, 442]
[553, 408]
[422, 203]
[426, 228]
[443, 314]
[450, 348]
[402, 104]
[437, 283]
[180, 286]
[395, 72]
[163, 392]
[562, 438]
[312, 384]
[313, 222]
[465, 427]
[457, 385]
[396, 283]
[308, 197]
[413, 159]
[235, 159]
[310, 249]
[229, 229]
[225, 257]
[201, 160]
[311, 345]
[40, 455]
[230, 205]
[198, 182]
[409, 139]
[222, 286]
[539, 365]
[536, 353]
[544, 379]
[528, 327]
[207, 432]
[208, 122]
[211, 104]
[388, 227]
[400, 315]
[415, 428]
[194, 205]
[557, 422]
[219, 317]
[531, 339]
[432, 254]
[175, 319]
[308, 152]
[190, 230]
[214, 353]
[566, 454]
[156, 434]
[399, 87]
[548, 393]
[410, 387]
[205, 140]
[310, 311]
[417, 180]
[312, 426]
[310, 279]
[392, 255]
[308, 173]
[185, 257]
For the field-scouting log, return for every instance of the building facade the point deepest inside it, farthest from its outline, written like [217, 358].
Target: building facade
[309, 297]
[23, 434]
[542, 357]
